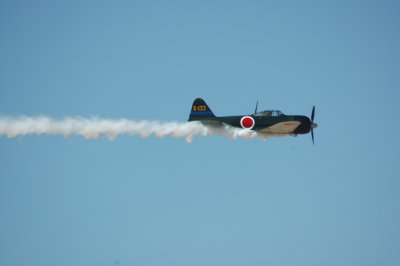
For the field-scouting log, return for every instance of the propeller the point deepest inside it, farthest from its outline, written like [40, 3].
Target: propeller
[312, 114]
[313, 125]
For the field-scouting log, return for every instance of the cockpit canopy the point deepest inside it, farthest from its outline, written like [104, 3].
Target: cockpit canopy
[269, 113]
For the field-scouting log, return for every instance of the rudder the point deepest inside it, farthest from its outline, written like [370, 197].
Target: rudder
[200, 111]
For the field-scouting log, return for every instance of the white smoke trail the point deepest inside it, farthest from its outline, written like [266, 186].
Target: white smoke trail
[92, 128]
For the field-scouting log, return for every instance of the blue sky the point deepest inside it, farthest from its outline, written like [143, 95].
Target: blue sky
[215, 201]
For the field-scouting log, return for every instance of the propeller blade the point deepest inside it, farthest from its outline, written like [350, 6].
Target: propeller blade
[312, 136]
[312, 114]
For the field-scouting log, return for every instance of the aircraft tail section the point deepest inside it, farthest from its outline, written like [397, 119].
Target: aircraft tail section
[200, 111]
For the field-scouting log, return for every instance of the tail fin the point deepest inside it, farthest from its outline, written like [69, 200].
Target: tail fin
[200, 111]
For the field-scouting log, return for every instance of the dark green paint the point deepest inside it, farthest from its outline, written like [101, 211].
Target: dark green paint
[262, 120]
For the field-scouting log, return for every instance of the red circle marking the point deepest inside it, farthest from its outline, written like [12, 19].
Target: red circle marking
[247, 122]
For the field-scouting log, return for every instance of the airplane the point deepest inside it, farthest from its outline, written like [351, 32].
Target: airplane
[268, 121]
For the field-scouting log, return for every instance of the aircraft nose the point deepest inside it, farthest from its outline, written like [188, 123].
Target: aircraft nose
[314, 125]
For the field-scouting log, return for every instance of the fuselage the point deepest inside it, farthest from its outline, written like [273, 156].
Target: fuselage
[284, 124]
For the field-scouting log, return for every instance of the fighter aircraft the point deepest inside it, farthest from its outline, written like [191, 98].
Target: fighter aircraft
[268, 121]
